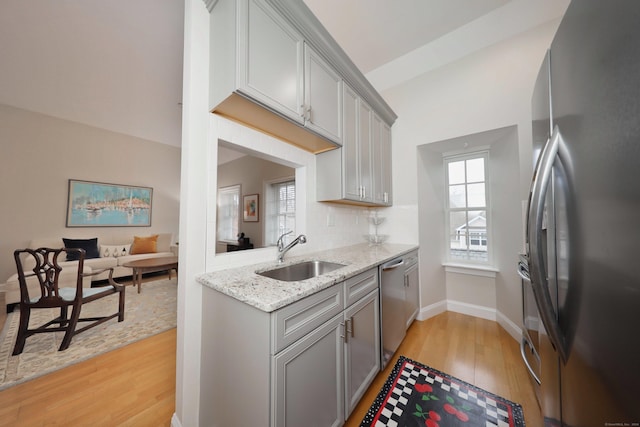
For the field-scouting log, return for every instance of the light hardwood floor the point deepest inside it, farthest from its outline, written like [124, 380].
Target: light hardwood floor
[135, 385]
[131, 386]
[474, 350]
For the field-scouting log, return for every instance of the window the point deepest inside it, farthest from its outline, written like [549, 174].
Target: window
[281, 211]
[228, 213]
[467, 207]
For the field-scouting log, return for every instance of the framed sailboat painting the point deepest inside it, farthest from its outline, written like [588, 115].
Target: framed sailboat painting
[98, 204]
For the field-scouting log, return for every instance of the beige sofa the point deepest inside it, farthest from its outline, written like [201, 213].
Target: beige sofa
[69, 268]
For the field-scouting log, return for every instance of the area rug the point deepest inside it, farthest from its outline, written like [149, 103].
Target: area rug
[417, 395]
[146, 314]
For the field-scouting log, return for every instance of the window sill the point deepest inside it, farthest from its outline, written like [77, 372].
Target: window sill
[470, 269]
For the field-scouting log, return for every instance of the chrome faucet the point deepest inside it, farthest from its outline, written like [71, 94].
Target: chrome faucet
[302, 239]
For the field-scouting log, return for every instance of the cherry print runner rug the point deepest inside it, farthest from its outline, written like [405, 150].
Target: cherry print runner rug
[417, 395]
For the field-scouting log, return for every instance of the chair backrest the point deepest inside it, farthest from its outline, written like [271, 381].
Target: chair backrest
[47, 272]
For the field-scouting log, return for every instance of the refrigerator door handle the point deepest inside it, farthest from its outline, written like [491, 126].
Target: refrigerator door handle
[523, 344]
[522, 272]
[539, 187]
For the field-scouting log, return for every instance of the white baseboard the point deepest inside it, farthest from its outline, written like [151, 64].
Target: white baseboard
[512, 329]
[432, 310]
[472, 310]
[175, 422]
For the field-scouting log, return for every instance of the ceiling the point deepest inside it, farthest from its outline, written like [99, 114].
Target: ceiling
[374, 32]
[117, 64]
[112, 64]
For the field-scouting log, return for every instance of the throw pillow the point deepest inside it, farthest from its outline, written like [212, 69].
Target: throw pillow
[144, 245]
[90, 246]
[114, 251]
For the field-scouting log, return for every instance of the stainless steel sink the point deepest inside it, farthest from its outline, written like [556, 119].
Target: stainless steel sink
[301, 271]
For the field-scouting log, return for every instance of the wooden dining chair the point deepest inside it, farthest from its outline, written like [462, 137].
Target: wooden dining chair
[47, 271]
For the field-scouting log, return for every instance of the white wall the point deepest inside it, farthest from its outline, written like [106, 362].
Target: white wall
[487, 90]
[193, 212]
[40, 153]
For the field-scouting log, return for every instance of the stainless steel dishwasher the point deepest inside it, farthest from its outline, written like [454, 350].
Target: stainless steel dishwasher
[392, 302]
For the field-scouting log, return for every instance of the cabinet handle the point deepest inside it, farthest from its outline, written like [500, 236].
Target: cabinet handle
[386, 197]
[343, 334]
[350, 326]
[305, 112]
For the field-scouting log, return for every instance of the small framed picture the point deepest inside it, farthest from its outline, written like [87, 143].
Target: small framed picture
[250, 208]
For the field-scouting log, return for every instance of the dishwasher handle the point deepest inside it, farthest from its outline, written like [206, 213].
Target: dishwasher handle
[392, 265]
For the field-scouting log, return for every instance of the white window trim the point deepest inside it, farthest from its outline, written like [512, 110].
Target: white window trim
[480, 270]
[222, 190]
[266, 186]
[469, 264]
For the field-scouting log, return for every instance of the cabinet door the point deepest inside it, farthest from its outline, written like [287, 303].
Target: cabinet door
[385, 140]
[381, 156]
[364, 150]
[412, 291]
[350, 154]
[270, 60]
[322, 97]
[307, 382]
[362, 348]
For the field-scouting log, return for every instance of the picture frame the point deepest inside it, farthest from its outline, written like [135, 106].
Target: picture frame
[99, 204]
[251, 208]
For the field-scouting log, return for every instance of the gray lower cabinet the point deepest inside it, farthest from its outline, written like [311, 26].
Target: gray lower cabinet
[306, 364]
[307, 379]
[361, 349]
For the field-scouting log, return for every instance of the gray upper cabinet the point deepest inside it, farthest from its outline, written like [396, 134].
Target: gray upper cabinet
[275, 68]
[344, 162]
[360, 171]
[381, 159]
[322, 109]
[264, 74]
[365, 170]
[270, 60]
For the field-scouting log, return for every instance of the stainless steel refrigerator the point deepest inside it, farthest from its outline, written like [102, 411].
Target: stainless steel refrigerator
[583, 225]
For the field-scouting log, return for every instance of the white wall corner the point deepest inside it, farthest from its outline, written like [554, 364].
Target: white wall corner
[432, 310]
[512, 329]
[471, 310]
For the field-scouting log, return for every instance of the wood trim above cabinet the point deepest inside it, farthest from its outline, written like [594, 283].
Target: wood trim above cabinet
[247, 112]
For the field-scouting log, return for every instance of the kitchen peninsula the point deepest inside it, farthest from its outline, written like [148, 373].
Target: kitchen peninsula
[281, 351]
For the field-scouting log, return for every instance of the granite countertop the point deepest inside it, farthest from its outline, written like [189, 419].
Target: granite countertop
[266, 294]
